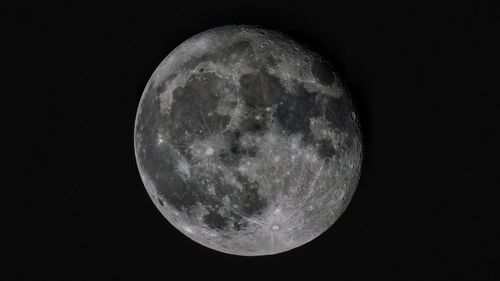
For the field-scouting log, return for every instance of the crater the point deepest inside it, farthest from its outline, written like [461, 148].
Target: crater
[160, 201]
[323, 72]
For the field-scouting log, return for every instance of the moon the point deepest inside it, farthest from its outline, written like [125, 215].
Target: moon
[247, 141]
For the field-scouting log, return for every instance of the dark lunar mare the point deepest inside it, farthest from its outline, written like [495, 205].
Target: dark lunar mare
[323, 71]
[189, 120]
[295, 111]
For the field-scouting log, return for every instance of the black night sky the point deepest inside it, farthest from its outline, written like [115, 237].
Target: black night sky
[424, 79]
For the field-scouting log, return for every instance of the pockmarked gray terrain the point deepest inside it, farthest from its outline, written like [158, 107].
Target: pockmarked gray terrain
[247, 142]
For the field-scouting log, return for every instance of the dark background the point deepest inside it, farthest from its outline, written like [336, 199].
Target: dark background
[424, 79]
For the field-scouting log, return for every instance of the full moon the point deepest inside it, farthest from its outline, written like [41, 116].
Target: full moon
[247, 141]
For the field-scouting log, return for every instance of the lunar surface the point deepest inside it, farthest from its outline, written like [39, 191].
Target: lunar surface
[247, 142]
